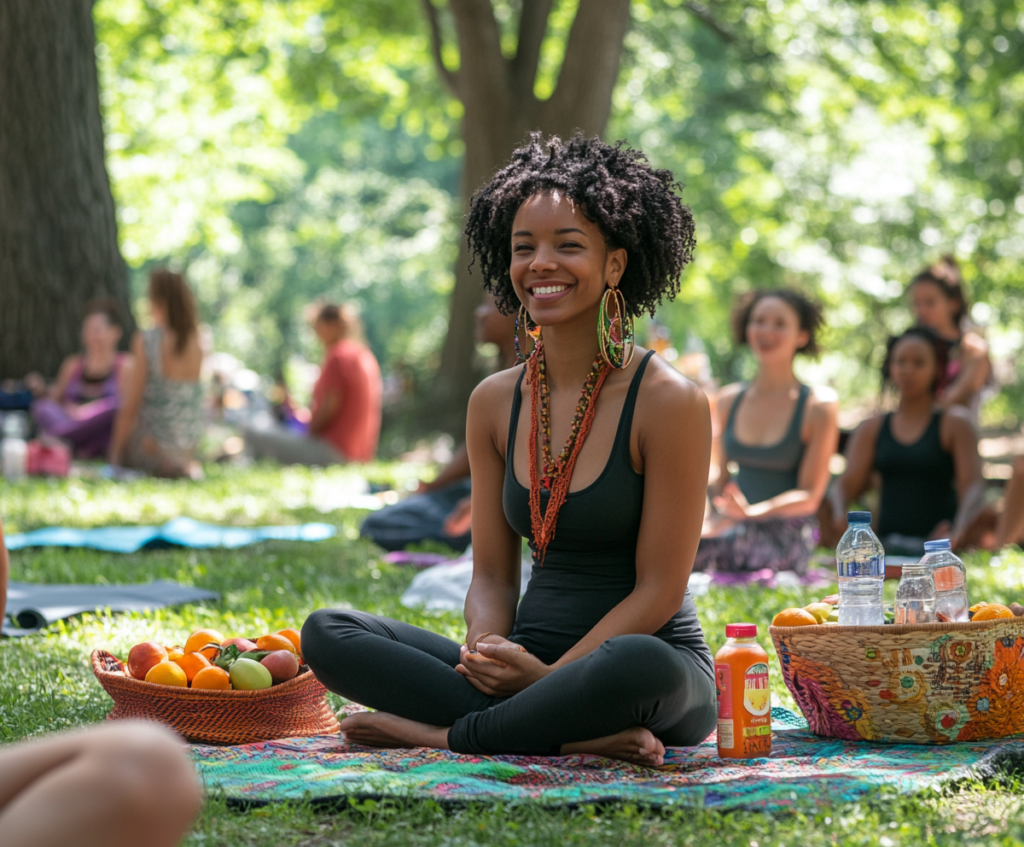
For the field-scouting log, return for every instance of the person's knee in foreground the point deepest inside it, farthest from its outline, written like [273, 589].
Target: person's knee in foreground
[605, 653]
[118, 785]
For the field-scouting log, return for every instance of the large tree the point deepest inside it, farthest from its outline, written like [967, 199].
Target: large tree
[58, 232]
[500, 106]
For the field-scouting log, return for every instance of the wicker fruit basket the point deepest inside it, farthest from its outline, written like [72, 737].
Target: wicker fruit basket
[921, 684]
[296, 707]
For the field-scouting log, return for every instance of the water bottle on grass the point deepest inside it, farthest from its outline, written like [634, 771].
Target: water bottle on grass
[950, 578]
[860, 561]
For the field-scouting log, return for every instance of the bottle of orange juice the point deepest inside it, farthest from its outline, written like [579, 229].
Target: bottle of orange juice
[744, 700]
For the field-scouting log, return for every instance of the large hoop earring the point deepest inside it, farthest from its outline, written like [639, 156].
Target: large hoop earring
[531, 329]
[615, 330]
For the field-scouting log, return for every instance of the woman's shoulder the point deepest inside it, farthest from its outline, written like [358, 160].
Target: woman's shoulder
[973, 344]
[497, 387]
[958, 419]
[665, 390]
[822, 402]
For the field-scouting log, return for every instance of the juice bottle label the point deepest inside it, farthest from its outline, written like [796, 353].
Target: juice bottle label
[756, 697]
[726, 731]
[723, 681]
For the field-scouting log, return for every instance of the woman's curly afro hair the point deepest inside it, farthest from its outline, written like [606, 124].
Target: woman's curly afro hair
[636, 207]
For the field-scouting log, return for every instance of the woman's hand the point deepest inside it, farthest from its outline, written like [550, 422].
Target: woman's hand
[732, 503]
[500, 669]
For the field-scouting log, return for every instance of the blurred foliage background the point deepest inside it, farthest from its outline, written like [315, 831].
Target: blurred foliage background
[284, 150]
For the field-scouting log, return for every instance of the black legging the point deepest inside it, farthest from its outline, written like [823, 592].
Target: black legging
[631, 680]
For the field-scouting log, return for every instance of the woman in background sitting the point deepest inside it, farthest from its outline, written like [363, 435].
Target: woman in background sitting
[81, 405]
[779, 434]
[938, 302]
[161, 420]
[926, 456]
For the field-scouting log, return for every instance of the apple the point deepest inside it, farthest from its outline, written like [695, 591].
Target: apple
[282, 664]
[249, 675]
[142, 657]
[244, 645]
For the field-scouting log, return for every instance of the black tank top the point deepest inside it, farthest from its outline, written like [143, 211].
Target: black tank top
[918, 482]
[590, 565]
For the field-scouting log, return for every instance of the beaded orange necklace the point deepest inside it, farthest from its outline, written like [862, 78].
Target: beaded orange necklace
[557, 472]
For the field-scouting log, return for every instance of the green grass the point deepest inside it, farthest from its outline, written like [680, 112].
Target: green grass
[46, 684]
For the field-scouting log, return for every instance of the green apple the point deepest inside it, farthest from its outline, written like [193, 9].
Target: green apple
[247, 675]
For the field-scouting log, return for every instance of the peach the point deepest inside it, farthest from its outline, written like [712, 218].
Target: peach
[142, 657]
[282, 664]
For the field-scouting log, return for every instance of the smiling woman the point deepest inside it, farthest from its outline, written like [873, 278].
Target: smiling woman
[779, 435]
[605, 653]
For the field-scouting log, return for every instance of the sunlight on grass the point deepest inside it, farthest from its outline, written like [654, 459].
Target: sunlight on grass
[46, 683]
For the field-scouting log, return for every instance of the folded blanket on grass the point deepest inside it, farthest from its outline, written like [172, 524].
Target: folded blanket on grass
[802, 770]
[443, 583]
[34, 607]
[181, 532]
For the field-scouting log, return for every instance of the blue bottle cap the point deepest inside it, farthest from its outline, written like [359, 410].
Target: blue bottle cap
[936, 546]
[858, 517]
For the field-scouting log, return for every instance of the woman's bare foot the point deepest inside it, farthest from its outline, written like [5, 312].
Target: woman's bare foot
[637, 746]
[380, 729]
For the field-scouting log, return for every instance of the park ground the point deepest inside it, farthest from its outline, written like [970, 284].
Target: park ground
[46, 684]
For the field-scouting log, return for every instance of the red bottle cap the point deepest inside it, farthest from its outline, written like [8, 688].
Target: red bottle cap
[741, 630]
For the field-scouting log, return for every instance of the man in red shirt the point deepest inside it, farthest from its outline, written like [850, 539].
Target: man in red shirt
[344, 425]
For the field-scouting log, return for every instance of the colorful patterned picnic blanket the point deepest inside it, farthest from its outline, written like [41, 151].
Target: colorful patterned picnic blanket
[802, 770]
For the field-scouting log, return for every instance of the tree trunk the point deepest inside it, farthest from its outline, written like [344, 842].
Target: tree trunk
[499, 110]
[58, 232]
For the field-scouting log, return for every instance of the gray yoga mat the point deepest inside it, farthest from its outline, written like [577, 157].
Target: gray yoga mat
[35, 607]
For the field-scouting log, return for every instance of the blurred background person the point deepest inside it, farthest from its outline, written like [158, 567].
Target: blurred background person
[926, 456]
[938, 301]
[779, 434]
[81, 405]
[344, 421]
[161, 421]
[440, 509]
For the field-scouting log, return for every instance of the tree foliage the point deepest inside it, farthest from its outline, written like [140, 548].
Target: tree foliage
[283, 151]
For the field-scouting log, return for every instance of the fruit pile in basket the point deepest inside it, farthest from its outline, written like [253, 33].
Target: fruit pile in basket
[210, 661]
[826, 611]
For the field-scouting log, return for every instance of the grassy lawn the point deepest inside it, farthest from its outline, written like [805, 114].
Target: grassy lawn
[46, 683]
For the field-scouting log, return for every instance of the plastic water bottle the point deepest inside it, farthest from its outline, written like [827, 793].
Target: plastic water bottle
[14, 450]
[915, 595]
[950, 579]
[860, 561]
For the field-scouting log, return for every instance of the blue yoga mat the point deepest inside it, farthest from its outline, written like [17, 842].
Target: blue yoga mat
[181, 532]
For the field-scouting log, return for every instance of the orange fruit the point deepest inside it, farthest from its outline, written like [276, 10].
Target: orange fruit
[198, 640]
[192, 663]
[212, 677]
[167, 673]
[991, 612]
[174, 654]
[794, 617]
[294, 637]
[275, 642]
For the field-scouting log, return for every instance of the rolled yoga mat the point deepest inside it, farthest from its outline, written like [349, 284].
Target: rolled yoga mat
[35, 607]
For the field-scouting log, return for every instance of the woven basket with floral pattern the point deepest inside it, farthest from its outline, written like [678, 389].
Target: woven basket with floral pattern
[922, 683]
[296, 707]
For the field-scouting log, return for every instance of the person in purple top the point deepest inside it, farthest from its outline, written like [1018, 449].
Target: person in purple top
[82, 403]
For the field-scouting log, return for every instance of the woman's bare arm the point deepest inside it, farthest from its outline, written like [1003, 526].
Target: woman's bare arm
[960, 438]
[494, 592]
[975, 369]
[56, 391]
[860, 459]
[723, 407]
[675, 480]
[128, 411]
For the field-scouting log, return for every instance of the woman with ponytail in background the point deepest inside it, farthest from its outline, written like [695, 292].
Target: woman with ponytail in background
[938, 302]
[160, 422]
